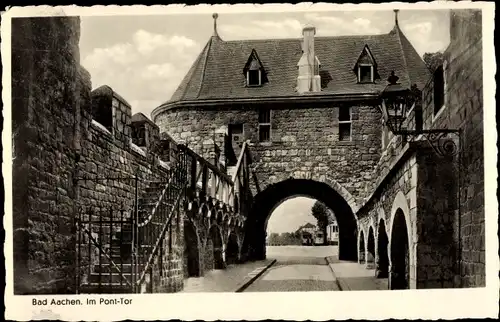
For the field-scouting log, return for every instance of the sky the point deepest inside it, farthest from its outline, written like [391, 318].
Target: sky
[144, 58]
[290, 215]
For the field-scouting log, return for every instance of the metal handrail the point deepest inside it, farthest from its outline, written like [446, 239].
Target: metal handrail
[209, 165]
[96, 243]
[160, 199]
[240, 160]
[159, 239]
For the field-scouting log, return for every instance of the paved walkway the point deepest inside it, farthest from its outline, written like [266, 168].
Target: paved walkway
[352, 276]
[225, 280]
[296, 273]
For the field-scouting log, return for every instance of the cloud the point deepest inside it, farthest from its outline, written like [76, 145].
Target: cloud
[421, 27]
[146, 69]
[262, 29]
[421, 36]
[332, 26]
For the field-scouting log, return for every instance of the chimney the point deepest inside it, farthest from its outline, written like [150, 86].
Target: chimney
[308, 79]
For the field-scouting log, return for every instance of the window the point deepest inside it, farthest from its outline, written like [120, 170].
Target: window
[438, 89]
[264, 125]
[365, 74]
[344, 124]
[236, 133]
[253, 78]
[254, 75]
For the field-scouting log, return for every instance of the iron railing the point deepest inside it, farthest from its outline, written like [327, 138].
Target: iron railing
[121, 250]
[103, 256]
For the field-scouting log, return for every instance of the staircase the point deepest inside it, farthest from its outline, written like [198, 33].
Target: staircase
[123, 255]
[114, 274]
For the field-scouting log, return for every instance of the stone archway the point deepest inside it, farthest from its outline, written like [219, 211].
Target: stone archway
[218, 247]
[399, 276]
[361, 247]
[191, 251]
[274, 194]
[370, 249]
[232, 249]
[382, 265]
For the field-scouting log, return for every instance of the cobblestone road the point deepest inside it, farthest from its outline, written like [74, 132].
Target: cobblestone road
[298, 268]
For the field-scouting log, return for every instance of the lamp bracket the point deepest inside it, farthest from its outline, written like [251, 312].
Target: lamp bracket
[445, 142]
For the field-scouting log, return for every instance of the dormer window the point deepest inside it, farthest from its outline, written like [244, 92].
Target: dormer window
[254, 71]
[366, 67]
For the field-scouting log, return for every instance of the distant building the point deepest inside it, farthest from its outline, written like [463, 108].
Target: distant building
[332, 233]
[307, 233]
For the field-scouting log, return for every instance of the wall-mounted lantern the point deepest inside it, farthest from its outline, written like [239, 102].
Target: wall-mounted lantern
[395, 103]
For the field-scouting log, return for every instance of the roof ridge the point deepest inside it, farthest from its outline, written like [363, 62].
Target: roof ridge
[403, 54]
[189, 74]
[203, 70]
[300, 38]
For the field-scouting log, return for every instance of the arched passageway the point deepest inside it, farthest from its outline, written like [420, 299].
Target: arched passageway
[361, 248]
[382, 269]
[370, 250]
[399, 277]
[267, 200]
[232, 249]
[216, 239]
[191, 251]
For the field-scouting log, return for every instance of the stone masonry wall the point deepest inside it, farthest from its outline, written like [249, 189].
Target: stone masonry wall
[437, 234]
[55, 143]
[168, 273]
[45, 62]
[402, 181]
[463, 109]
[304, 141]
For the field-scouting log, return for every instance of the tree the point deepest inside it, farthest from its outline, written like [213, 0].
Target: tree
[321, 213]
[433, 60]
[273, 239]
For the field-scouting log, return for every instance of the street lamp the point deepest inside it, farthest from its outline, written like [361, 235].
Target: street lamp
[395, 103]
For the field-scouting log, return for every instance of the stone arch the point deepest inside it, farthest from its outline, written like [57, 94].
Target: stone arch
[370, 248]
[361, 247]
[332, 183]
[382, 257]
[265, 201]
[232, 248]
[399, 276]
[215, 237]
[191, 250]
[400, 202]
[381, 216]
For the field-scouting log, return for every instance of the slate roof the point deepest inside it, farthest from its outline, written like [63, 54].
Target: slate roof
[217, 73]
[141, 118]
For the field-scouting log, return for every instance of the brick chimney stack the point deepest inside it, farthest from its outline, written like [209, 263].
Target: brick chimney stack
[308, 79]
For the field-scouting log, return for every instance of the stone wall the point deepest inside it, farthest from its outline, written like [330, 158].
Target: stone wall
[168, 272]
[304, 141]
[397, 190]
[65, 162]
[463, 109]
[45, 63]
[436, 200]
